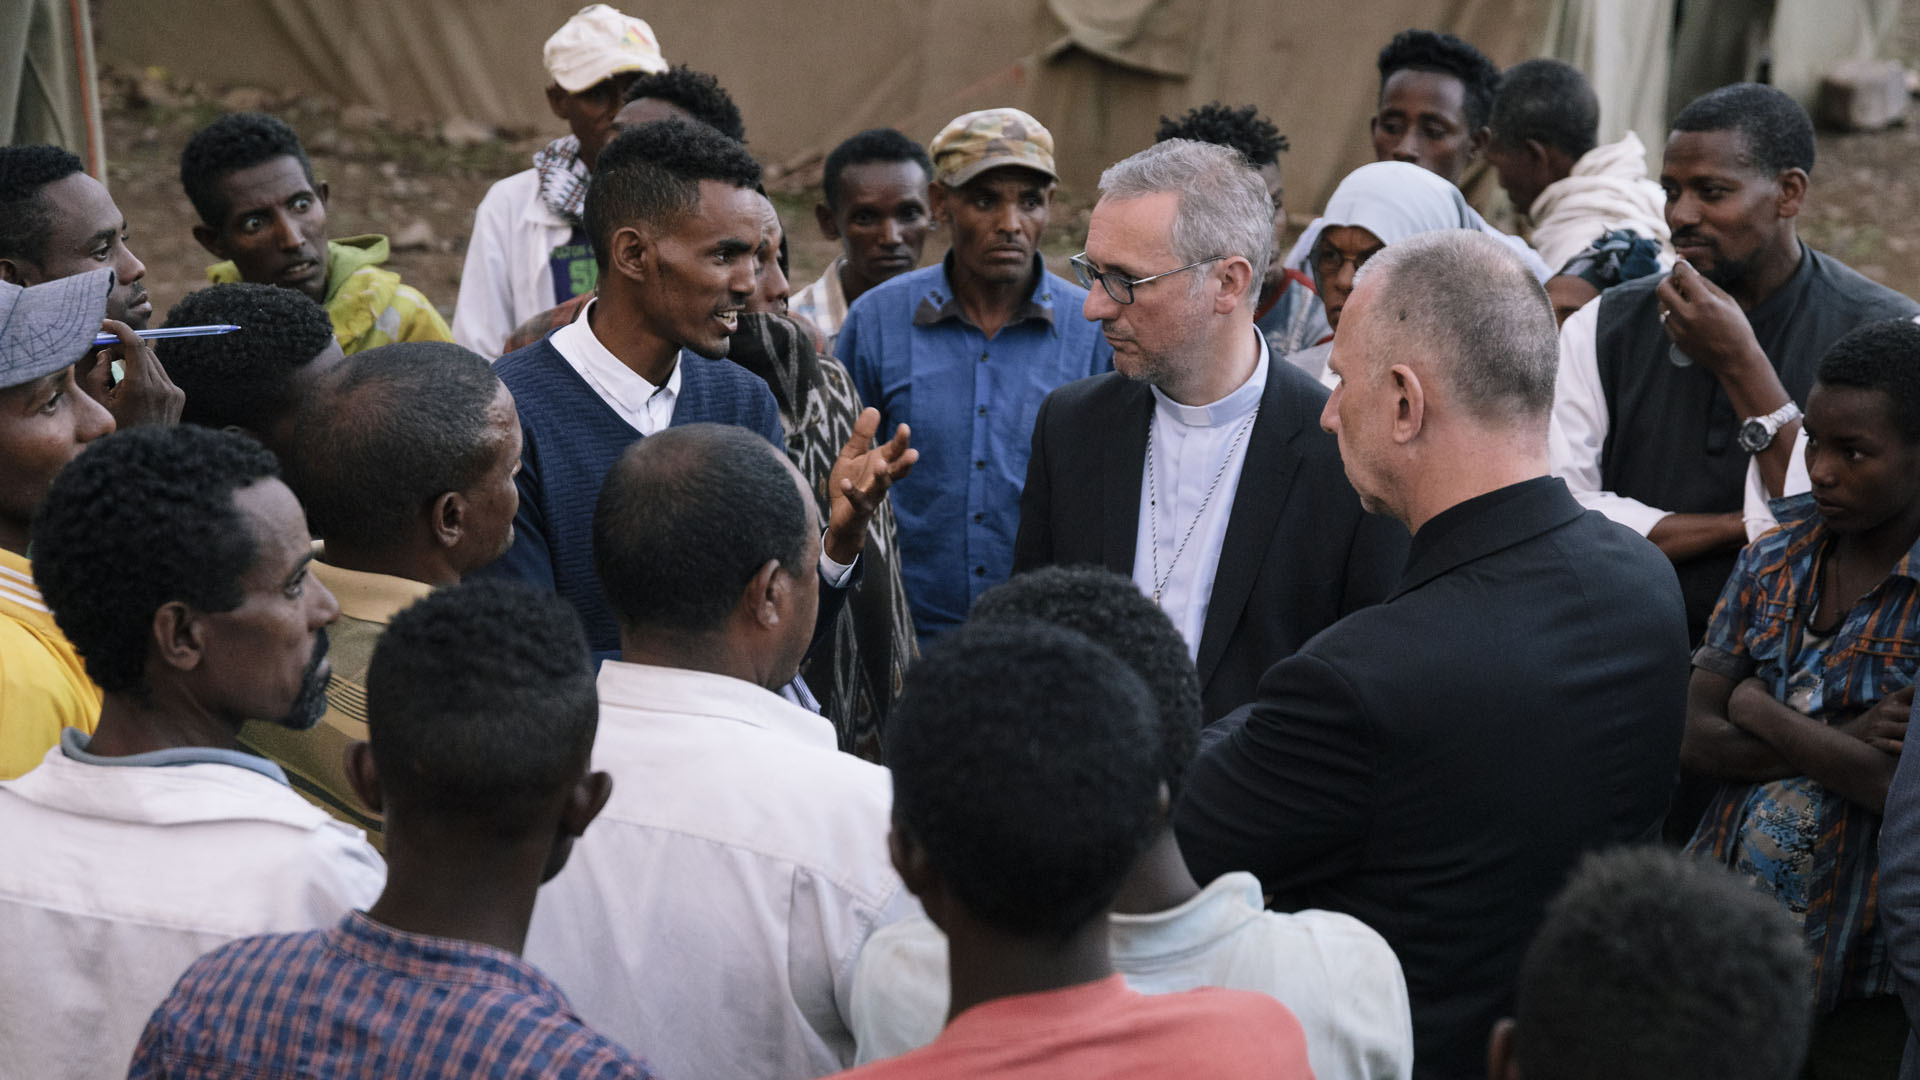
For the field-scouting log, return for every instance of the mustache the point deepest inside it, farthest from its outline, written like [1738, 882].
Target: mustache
[1694, 238]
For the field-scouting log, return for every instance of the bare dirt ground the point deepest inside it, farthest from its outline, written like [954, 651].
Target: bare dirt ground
[420, 185]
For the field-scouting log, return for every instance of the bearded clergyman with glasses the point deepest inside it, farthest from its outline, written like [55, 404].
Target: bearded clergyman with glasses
[1198, 467]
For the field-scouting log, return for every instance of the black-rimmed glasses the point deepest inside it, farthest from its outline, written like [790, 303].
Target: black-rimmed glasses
[1119, 286]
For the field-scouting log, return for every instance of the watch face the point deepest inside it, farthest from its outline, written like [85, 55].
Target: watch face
[1754, 437]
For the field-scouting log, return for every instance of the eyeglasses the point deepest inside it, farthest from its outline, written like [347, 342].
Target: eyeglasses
[1119, 286]
[1327, 259]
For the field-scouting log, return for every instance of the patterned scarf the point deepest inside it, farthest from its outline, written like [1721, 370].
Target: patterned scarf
[563, 178]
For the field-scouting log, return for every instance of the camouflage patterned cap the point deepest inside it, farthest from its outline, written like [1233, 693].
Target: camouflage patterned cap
[988, 139]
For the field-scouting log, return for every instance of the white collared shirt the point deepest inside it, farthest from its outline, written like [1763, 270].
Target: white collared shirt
[710, 918]
[114, 878]
[1337, 975]
[647, 407]
[1577, 432]
[507, 277]
[1190, 444]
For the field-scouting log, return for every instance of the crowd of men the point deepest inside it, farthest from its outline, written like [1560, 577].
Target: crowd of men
[1427, 652]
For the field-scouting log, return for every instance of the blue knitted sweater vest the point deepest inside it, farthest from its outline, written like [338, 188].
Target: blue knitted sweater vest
[572, 438]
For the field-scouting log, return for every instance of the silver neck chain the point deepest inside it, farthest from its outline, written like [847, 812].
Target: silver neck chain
[1153, 502]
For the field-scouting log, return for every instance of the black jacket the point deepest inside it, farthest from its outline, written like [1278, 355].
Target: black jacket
[1299, 551]
[1434, 765]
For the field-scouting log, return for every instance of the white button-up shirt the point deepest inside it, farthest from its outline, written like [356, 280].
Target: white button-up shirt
[1578, 430]
[114, 878]
[710, 917]
[1338, 976]
[1191, 443]
[647, 407]
[508, 275]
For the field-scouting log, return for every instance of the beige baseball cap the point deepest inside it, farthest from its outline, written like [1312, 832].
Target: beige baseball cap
[988, 139]
[599, 43]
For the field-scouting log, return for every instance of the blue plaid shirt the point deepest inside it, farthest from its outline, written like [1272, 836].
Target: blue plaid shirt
[366, 1000]
[971, 402]
[1757, 630]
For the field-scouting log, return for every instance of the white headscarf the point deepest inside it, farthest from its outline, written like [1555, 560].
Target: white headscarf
[1394, 200]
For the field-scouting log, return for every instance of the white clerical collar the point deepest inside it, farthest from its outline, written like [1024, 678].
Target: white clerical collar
[626, 388]
[1228, 409]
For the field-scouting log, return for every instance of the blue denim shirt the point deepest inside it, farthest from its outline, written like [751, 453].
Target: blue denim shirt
[970, 402]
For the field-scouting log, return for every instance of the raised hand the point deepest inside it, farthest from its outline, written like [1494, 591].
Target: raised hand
[859, 482]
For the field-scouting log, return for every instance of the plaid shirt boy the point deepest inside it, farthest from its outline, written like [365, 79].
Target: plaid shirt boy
[366, 1000]
[1758, 629]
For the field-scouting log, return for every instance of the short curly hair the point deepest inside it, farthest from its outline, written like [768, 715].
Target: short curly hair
[142, 518]
[481, 705]
[1244, 129]
[652, 174]
[1445, 54]
[1550, 102]
[1776, 133]
[1025, 765]
[1652, 964]
[234, 142]
[1113, 611]
[26, 221]
[387, 432]
[1880, 356]
[244, 379]
[699, 93]
[872, 145]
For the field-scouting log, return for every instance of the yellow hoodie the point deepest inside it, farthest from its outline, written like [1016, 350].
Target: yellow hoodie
[369, 305]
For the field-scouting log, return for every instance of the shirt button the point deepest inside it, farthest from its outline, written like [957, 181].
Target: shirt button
[983, 358]
[983, 410]
[977, 518]
[980, 464]
[979, 571]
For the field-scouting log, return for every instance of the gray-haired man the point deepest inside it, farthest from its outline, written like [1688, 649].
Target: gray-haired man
[1436, 764]
[1141, 470]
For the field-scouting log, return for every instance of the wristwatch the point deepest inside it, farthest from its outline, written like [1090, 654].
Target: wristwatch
[1757, 432]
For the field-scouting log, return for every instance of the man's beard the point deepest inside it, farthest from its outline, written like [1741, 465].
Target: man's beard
[311, 704]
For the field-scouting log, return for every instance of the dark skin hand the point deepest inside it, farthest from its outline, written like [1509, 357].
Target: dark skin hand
[859, 482]
[1740, 733]
[144, 394]
[1710, 327]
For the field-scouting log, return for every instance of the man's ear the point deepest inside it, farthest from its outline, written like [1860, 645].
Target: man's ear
[448, 524]
[910, 861]
[1410, 406]
[765, 599]
[178, 636]
[1233, 285]
[630, 253]
[14, 272]
[1502, 1063]
[1477, 142]
[557, 100]
[822, 216]
[937, 196]
[1793, 192]
[362, 777]
[323, 191]
[584, 803]
[210, 239]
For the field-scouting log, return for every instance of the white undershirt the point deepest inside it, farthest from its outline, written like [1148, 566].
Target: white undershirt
[1189, 444]
[647, 407]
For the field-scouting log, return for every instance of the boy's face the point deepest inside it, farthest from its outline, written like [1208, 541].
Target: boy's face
[275, 229]
[1864, 471]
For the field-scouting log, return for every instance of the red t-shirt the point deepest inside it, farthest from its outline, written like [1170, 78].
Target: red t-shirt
[1103, 1029]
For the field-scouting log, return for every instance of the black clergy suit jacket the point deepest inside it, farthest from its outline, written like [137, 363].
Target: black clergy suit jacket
[1299, 551]
[1434, 765]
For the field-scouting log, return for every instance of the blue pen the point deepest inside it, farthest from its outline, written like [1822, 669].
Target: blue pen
[170, 332]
